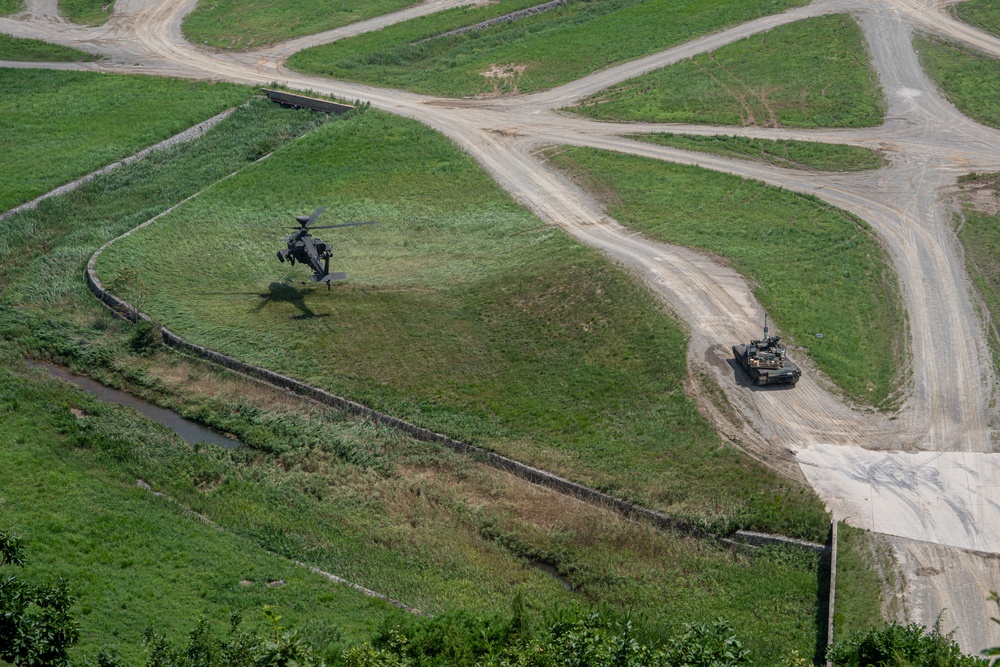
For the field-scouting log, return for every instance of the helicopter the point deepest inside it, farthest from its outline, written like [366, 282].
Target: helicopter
[305, 248]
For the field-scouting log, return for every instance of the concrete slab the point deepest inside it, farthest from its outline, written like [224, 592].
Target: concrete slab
[950, 498]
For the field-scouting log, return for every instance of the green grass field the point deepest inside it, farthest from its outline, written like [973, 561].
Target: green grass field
[814, 268]
[983, 14]
[814, 73]
[463, 314]
[968, 78]
[134, 559]
[87, 12]
[81, 121]
[34, 50]
[859, 588]
[980, 238]
[548, 46]
[406, 518]
[239, 24]
[807, 155]
[8, 7]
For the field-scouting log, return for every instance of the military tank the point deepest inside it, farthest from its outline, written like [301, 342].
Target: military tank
[765, 362]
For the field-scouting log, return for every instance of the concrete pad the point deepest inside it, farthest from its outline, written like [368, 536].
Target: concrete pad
[950, 498]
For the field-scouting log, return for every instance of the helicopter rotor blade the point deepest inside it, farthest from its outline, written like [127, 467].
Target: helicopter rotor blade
[347, 224]
[316, 214]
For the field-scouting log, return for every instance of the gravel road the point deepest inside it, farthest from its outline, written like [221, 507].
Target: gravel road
[939, 507]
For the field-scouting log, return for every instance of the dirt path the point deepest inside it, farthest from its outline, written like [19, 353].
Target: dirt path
[950, 401]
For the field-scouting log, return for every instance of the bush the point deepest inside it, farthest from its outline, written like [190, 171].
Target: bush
[901, 646]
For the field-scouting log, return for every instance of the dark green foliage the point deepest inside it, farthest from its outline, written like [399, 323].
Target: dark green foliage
[145, 337]
[969, 79]
[36, 627]
[548, 48]
[34, 50]
[783, 153]
[11, 549]
[592, 640]
[901, 646]
[814, 73]
[994, 651]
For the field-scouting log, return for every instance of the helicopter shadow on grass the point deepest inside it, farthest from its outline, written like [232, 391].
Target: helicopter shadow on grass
[744, 381]
[290, 294]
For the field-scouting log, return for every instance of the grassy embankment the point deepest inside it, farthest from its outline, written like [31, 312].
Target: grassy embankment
[87, 12]
[415, 522]
[814, 268]
[58, 126]
[814, 73]
[785, 153]
[8, 7]
[35, 50]
[548, 46]
[238, 24]
[969, 79]
[463, 314]
[860, 590]
[134, 559]
[983, 14]
[979, 234]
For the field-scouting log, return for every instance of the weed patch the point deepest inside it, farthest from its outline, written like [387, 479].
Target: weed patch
[87, 12]
[981, 14]
[979, 235]
[814, 268]
[238, 24]
[814, 73]
[784, 153]
[969, 79]
[58, 126]
[35, 50]
[415, 55]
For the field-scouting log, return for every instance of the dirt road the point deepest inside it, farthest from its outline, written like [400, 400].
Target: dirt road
[949, 405]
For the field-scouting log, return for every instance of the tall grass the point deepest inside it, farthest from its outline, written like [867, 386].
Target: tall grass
[8, 7]
[980, 237]
[860, 591]
[814, 268]
[133, 559]
[57, 126]
[784, 153]
[968, 78]
[34, 50]
[982, 14]
[87, 12]
[813, 73]
[554, 47]
[239, 24]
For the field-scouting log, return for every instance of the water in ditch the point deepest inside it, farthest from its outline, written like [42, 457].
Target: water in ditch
[190, 431]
